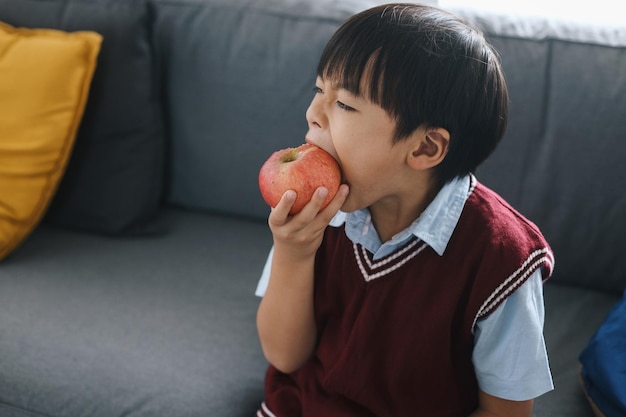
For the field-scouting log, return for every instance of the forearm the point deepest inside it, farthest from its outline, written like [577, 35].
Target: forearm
[285, 319]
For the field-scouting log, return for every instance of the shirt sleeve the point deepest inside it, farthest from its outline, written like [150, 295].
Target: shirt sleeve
[265, 276]
[510, 355]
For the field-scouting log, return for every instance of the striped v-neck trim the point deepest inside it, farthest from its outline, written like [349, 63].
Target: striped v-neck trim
[372, 270]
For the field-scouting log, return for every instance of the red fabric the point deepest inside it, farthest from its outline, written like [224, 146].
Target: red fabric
[396, 334]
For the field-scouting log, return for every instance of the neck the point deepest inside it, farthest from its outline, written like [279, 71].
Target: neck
[392, 215]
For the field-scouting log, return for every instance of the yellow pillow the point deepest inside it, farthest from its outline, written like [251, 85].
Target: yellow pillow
[45, 76]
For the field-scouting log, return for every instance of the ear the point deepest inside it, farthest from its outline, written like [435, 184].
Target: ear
[429, 149]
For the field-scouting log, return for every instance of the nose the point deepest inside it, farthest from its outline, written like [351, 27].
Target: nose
[314, 114]
[319, 126]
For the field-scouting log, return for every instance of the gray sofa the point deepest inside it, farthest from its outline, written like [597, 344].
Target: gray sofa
[135, 295]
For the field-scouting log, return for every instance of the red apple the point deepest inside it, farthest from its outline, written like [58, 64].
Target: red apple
[302, 169]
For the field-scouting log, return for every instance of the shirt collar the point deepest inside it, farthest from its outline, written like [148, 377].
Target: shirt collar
[434, 226]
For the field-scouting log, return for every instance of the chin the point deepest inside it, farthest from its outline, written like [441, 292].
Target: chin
[350, 206]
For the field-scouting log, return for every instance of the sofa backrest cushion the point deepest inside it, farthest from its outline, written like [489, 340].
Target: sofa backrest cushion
[561, 162]
[113, 182]
[45, 77]
[239, 76]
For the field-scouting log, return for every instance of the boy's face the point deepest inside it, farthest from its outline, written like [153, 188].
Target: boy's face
[359, 134]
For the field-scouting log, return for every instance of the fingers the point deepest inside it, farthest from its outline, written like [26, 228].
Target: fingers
[337, 202]
[280, 214]
[312, 210]
[300, 235]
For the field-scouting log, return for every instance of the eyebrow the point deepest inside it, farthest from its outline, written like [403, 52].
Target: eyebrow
[344, 86]
[352, 94]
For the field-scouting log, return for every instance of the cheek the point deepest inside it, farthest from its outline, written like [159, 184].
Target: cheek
[361, 150]
[356, 167]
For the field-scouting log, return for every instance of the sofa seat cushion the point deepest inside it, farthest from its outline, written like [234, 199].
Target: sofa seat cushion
[163, 326]
[572, 317]
[45, 76]
[166, 325]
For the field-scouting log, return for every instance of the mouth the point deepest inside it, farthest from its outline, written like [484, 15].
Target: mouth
[343, 177]
[310, 142]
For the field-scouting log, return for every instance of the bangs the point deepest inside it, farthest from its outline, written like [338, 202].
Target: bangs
[354, 62]
[366, 57]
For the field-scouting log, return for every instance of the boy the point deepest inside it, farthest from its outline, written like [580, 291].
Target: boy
[423, 295]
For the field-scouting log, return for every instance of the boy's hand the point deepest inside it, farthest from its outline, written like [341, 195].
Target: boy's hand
[301, 235]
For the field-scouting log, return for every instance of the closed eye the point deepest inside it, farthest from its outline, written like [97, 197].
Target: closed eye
[317, 90]
[344, 106]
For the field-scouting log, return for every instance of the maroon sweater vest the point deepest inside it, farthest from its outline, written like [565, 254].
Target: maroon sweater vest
[395, 335]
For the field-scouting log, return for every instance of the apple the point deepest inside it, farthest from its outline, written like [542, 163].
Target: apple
[302, 169]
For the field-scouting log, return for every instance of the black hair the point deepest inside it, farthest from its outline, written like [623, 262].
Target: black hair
[426, 68]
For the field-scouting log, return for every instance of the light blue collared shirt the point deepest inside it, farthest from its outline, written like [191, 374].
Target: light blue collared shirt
[509, 357]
